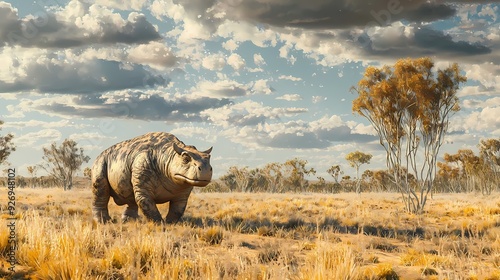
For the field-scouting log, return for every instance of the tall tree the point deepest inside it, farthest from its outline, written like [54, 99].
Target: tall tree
[258, 180]
[468, 164]
[295, 171]
[32, 171]
[381, 180]
[356, 159]
[449, 177]
[237, 179]
[335, 172]
[409, 105]
[87, 172]
[63, 161]
[229, 179]
[489, 151]
[476, 172]
[274, 176]
[6, 145]
[367, 179]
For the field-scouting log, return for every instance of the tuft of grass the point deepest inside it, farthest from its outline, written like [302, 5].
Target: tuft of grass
[416, 258]
[265, 231]
[496, 261]
[383, 271]
[495, 275]
[269, 254]
[372, 259]
[117, 257]
[469, 211]
[331, 262]
[472, 276]
[384, 246]
[308, 246]
[4, 242]
[428, 271]
[494, 211]
[459, 248]
[76, 212]
[413, 257]
[213, 235]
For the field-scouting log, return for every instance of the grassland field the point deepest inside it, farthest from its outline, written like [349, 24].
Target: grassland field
[256, 236]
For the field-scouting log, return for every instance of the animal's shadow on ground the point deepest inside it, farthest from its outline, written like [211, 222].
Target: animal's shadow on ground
[327, 224]
[297, 224]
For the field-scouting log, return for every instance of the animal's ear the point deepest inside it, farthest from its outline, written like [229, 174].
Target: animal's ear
[208, 151]
[177, 149]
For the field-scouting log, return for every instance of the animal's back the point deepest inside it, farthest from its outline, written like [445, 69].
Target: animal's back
[127, 150]
[121, 155]
[115, 163]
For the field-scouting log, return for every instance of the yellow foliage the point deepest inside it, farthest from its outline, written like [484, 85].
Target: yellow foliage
[212, 235]
[469, 211]
[326, 262]
[495, 275]
[416, 258]
[383, 271]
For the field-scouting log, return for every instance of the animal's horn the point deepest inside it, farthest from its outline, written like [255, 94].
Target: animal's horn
[208, 151]
[177, 149]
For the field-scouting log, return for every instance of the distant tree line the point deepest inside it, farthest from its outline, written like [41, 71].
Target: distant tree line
[59, 161]
[468, 172]
[274, 177]
[460, 172]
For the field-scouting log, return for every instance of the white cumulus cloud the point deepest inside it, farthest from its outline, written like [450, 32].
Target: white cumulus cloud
[290, 97]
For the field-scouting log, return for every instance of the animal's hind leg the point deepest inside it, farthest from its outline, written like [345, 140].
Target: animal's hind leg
[100, 194]
[130, 213]
[100, 199]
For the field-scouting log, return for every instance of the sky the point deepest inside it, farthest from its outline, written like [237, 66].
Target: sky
[259, 80]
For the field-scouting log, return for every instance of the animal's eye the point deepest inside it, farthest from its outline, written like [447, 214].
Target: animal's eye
[186, 158]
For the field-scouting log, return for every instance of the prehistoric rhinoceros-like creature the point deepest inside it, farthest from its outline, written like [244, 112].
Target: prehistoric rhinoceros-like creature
[147, 170]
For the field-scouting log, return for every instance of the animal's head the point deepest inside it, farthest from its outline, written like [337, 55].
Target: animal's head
[190, 167]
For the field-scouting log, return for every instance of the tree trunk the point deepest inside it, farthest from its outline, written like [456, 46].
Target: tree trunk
[358, 181]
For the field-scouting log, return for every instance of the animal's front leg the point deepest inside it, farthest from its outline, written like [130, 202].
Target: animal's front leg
[176, 210]
[148, 206]
[143, 190]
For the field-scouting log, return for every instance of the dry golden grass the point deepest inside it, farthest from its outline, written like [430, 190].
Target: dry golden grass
[257, 236]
